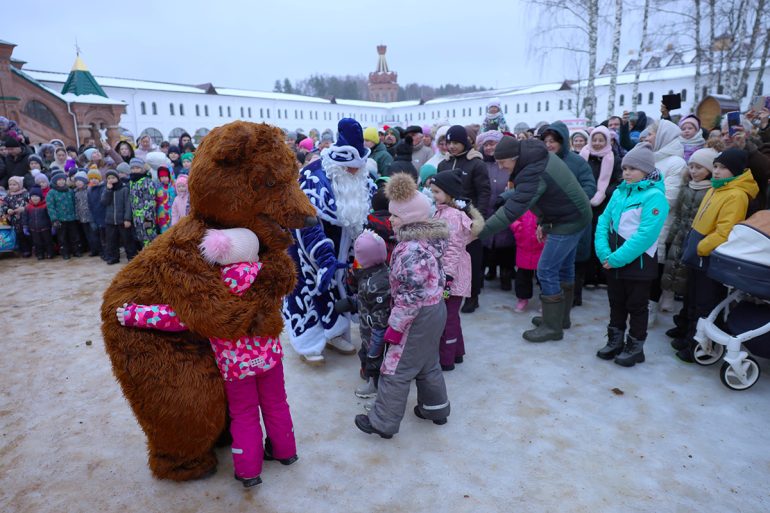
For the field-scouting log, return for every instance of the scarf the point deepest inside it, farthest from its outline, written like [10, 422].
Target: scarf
[607, 165]
[699, 185]
[692, 145]
[716, 183]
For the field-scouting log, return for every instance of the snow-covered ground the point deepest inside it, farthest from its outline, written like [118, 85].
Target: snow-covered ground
[534, 427]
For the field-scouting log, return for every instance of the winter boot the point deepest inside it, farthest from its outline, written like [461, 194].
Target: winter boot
[367, 390]
[506, 276]
[680, 343]
[632, 354]
[578, 294]
[268, 454]
[686, 354]
[470, 305]
[652, 314]
[551, 326]
[614, 344]
[567, 289]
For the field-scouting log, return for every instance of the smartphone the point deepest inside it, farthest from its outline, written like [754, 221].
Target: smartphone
[733, 120]
[672, 101]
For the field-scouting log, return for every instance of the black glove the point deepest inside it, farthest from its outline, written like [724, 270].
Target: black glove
[344, 305]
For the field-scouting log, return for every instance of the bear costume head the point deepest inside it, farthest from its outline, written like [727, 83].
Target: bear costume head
[243, 176]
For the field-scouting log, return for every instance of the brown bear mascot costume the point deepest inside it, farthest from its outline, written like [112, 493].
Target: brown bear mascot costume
[243, 176]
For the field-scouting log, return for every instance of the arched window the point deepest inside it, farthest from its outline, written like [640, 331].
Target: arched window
[684, 95]
[622, 100]
[650, 98]
[155, 135]
[200, 134]
[171, 108]
[176, 133]
[154, 110]
[181, 109]
[42, 114]
[143, 108]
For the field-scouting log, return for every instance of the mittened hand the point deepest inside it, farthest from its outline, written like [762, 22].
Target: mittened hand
[121, 314]
[26, 231]
[326, 274]
[392, 336]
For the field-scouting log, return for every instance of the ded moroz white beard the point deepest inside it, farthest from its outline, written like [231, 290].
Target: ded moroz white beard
[351, 194]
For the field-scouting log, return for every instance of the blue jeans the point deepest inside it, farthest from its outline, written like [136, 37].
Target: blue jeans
[557, 263]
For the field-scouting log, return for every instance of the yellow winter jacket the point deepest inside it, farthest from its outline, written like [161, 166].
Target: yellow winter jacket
[721, 209]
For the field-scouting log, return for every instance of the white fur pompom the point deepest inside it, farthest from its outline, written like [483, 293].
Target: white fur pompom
[216, 246]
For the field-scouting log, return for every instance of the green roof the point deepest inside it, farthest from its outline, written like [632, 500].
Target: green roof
[81, 81]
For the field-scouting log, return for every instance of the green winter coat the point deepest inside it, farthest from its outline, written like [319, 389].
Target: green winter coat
[383, 159]
[61, 205]
[627, 232]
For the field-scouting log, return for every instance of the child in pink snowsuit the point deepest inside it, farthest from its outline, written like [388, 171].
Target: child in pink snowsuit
[528, 250]
[251, 365]
[464, 223]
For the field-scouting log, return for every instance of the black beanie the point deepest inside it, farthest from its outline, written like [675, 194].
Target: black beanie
[457, 133]
[734, 159]
[12, 142]
[507, 148]
[405, 147]
[449, 182]
[380, 200]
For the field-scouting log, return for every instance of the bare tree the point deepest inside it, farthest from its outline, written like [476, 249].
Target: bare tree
[712, 38]
[698, 56]
[762, 64]
[615, 57]
[756, 32]
[640, 56]
[575, 25]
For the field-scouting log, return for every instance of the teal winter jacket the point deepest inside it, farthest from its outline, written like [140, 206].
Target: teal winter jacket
[628, 230]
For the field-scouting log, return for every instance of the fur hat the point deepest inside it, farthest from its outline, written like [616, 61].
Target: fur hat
[369, 249]
[405, 201]
[704, 157]
[349, 150]
[230, 246]
[734, 159]
[449, 182]
[640, 157]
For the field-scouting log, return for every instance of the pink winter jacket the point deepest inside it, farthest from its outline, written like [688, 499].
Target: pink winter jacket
[249, 355]
[416, 279]
[180, 207]
[456, 260]
[528, 249]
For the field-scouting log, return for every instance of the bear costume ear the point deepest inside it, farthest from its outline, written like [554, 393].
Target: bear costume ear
[235, 142]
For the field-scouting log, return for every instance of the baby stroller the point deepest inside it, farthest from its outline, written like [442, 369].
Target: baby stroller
[743, 263]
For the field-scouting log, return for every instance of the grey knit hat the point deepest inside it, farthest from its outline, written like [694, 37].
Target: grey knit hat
[136, 162]
[507, 148]
[640, 157]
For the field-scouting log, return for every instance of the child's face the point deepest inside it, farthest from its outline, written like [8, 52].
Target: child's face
[41, 184]
[598, 141]
[698, 172]
[164, 179]
[720, 171]
[13, 187]
[61, 182]
[439, 196]
[494, 109]
[633, 175]
[181, 187]
[578, 142]
[79, 184]
[61, 155]
[187, 164]
[34, 164]
[34, 199]
[396, 222]
[136, 170]
[112, 179]
[455, 147]
[688, 130]
[93, 182]
[173, 155]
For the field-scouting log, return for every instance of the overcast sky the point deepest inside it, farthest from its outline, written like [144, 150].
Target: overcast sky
[250, 44]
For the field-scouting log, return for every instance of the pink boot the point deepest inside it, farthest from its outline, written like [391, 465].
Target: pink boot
[521, 305]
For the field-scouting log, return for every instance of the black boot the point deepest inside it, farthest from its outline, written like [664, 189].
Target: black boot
[267, 455]
[632, 354]
[506, 275]
[614, 344]
[249, 482]
[419, 415]
[686, 353]
[680, 343]
[470, 305]
[362, 422]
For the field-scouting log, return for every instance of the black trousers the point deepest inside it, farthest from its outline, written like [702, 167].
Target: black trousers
[504, 257]
[655, 289]
[68, 237]
[24, 242]
[117, 235]
[43, 242]
[703, 294]
[524, 283]
[476, 250]
[92, 237]
[628, 302]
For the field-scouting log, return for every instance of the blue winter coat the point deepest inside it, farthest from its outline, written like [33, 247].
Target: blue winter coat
[95, 204]
[628, 230]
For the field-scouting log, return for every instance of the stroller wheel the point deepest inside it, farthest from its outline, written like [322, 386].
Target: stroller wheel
[743, 380]
[708, 353]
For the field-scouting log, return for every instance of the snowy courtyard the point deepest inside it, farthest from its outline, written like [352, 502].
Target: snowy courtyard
[534, 427]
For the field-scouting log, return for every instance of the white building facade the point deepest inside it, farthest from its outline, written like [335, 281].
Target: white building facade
[165, 110]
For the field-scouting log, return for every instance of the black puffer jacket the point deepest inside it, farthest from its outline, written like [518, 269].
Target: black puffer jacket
[473, 173]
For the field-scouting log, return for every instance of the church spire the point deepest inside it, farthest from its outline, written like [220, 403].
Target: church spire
[81, 81]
